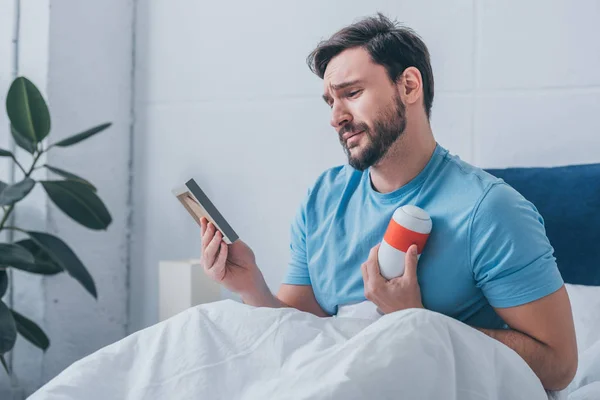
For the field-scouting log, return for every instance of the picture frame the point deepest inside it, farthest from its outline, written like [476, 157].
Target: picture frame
[198, 205]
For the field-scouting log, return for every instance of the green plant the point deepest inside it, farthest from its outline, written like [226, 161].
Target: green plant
[39, 252]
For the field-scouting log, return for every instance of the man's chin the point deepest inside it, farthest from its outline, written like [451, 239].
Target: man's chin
[354, 156]
[357, 163]
[361, 160]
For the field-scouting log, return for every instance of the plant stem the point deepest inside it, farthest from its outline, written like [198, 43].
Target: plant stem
[27, 174]
[35, 160]
[5, 217]
[18, 164]
[14, 228]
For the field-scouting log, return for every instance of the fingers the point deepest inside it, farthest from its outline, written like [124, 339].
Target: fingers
[203, 222]
[373, 252]
[210, 252]
[372, 267]
[219, 264]
[208, 234]
[204, 239]
[365, 274]
[410, 263]
[373, 272]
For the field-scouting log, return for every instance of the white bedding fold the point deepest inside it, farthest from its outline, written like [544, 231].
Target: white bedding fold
[228, 350]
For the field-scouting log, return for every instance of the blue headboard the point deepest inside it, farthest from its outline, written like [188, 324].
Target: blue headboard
[568, 198]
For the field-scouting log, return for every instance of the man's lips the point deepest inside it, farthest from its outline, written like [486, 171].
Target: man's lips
[348, 135]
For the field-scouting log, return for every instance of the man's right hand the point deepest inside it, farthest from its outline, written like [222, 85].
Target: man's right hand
[233, 266]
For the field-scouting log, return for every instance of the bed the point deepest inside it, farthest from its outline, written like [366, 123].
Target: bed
[568, 198]
[228, 350]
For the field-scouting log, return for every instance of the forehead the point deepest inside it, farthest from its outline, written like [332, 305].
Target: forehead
[351, 64]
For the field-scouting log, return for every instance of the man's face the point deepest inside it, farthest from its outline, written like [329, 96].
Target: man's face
[367, 111]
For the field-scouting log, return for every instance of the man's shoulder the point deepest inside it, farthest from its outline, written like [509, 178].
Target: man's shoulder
[470, 184]
[334, 179]
[492, 193]
[465, 174]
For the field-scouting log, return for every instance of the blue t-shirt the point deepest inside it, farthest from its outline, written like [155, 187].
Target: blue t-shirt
[487, 248]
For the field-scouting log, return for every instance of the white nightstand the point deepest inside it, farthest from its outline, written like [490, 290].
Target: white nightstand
[183, 284]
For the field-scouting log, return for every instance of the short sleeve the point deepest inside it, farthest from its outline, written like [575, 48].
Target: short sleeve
[511, 256]
[297, 273]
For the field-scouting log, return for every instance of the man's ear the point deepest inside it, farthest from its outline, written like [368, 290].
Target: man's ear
[410, 85]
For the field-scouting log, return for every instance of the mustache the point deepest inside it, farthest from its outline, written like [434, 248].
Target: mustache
[352, 127]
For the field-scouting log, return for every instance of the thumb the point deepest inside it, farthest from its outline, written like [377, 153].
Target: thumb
[410, 263]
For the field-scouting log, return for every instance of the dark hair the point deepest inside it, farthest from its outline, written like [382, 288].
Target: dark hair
[394, 46]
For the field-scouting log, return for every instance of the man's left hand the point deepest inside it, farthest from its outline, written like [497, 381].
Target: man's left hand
[395, 294]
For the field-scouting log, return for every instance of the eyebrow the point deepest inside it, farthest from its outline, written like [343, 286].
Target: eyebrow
[340, 86]
[343, 85]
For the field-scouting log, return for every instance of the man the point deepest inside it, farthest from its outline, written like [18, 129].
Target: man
[487, 262]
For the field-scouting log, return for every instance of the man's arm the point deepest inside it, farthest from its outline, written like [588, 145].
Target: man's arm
[543, 334]
[301, 297]
[513, 264]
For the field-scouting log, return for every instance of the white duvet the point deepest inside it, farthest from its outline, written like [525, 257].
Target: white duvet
[228, 350]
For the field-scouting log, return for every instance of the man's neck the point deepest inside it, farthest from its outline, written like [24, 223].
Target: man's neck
[404, 161]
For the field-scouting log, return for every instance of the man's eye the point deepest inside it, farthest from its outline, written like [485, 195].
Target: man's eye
[354, 93]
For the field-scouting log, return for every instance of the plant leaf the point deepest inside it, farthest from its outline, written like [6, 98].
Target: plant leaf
[16, 192]
[22, 141]
[62, 255]
[11, 253]
[79, 202]
[3, 282]
[68, 175]
[38, 268]
[27, 110]
[5, 153]
[4, 364]
[82, 136]
[42, 264]
[30, 331]
[8, 329]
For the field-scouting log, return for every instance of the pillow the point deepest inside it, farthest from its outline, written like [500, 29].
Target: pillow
[568, 198]
[585, 303]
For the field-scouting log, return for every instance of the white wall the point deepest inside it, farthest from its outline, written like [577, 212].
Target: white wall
[538, 83]
[89, 82]
[224, 95]
[80, 56]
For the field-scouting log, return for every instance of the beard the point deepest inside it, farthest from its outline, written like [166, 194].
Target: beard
[387, 128]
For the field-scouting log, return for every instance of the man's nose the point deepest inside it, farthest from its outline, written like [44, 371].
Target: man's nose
[340, 117]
